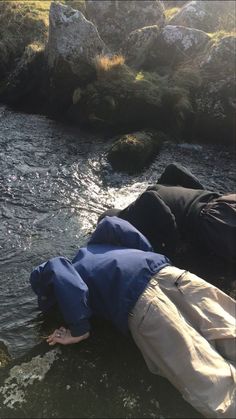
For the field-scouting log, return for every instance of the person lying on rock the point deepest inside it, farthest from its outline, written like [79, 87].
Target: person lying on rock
[183, 326]
[177, 209]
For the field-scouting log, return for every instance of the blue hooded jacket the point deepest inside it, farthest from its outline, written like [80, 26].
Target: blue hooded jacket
[105, 278]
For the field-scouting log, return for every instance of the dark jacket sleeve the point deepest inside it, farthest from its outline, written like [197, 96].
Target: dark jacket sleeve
[58, 279]
[150, 215]
[118, 232]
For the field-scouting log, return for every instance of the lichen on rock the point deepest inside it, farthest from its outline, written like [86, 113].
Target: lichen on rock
[13, 391]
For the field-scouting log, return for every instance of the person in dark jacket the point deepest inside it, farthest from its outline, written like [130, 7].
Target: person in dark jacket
[178, 209]
[184, 327]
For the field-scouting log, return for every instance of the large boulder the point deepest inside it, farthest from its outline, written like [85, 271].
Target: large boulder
[216, 99]
[25, 84]
[151, 48]
[20, 25]
[116, 19]
[133, 152]
[203, 15]
[140, 48]
[220, 56]
[73, 45]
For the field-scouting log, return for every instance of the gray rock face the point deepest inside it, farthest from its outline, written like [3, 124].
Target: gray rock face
[72, 38]
[116, 19]
[73, 45]
[25, 83]
[150, 47]
[186, 38]
[221, 55]
[203, 15]
[216, 100]
[141, 47]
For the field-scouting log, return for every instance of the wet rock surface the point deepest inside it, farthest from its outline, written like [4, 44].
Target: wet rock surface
[104, 377]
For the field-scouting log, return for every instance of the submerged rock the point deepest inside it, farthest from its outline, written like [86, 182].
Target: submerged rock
[116, 19]
[133, 152]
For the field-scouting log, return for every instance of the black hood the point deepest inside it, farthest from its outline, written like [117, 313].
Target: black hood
[113, 212]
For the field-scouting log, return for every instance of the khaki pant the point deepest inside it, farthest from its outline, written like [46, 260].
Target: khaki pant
[185, 329]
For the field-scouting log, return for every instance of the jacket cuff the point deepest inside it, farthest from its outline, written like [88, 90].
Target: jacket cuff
[80, 328]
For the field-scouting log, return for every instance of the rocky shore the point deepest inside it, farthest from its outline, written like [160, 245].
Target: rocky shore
[124, 67]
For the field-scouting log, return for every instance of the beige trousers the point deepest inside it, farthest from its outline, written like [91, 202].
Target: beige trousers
[186, 331]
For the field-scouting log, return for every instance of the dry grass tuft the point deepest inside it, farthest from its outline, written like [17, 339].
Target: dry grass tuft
[105, 63]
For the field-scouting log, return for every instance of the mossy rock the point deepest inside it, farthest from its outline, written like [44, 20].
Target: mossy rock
[21, 23]
[126, 101]
[24, 86]
[133, 152]
[4, 355]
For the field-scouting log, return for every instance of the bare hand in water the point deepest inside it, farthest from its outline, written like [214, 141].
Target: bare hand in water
[64, 337]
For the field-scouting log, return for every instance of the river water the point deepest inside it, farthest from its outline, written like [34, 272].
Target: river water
[54, 182]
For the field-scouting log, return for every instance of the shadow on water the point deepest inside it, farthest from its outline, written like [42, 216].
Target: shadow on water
[54, 182]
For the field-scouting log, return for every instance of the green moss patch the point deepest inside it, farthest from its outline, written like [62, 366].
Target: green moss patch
[4, 355]
[133, 152]
[121, 97]
[21, 23]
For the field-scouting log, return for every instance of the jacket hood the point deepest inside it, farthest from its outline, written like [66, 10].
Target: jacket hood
[41, 281]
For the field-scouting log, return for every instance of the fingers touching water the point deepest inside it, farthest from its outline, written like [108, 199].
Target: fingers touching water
[64, 337]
